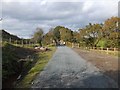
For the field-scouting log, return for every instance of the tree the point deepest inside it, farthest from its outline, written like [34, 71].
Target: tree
[111, 31]
[56, 34]
[76, 36]
[106, 34]
[38, 36]
[48, 37]
[66, 34]
[90, 34]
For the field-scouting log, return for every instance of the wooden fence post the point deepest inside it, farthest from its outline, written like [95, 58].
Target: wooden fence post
[16, 42]
[26, 43]
[10, 40]
[78, 45]
[22, 43]
[101, 48]
[29, 43]
[114, 49]
[107, 50]
[72, 45]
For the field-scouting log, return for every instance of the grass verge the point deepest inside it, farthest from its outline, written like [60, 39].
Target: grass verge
[11, 67]
[42, 59]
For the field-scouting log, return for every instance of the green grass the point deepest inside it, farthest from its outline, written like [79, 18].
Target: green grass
[42, 60]
[10, 64]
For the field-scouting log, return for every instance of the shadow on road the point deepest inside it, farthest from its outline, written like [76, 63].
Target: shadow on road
[97, 81]
[114, 75]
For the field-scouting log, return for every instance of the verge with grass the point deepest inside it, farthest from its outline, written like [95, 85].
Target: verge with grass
[42, 60]
[12, 67]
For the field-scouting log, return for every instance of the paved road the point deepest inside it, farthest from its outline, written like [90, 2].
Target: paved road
[67, 69]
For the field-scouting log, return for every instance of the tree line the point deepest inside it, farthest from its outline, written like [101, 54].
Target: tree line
[92, 35]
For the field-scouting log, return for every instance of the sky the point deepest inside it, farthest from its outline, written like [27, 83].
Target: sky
[21, 18]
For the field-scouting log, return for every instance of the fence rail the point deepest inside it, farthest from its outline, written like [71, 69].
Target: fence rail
[77, 45]
[21, 42]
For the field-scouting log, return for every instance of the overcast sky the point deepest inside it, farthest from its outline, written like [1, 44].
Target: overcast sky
[22, 17]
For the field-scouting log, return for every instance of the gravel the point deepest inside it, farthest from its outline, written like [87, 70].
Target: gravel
[67, 69]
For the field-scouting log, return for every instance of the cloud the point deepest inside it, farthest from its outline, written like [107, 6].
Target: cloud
[22, 17]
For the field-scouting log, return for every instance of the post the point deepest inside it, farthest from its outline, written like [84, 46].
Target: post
[26, 42]
[29, 43]
[72, 45]
[114, 49]
[10, 40]
[101, 48]
[107, 50]
[22, 43]
[78, 45]
[16, 42]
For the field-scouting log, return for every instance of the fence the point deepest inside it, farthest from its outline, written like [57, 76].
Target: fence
[21, 42]
[101, 49]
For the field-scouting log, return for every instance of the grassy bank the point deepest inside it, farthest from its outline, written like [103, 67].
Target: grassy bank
[11, 67]
[42, 59]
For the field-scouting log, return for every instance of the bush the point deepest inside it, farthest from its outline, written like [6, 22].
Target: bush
[102, 43]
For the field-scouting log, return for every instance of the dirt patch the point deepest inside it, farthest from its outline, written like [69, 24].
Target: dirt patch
[106, 63]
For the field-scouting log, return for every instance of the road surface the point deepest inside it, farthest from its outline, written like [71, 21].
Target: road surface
[67, 69]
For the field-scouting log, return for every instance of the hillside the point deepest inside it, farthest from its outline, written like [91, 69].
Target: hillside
[6, 36]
